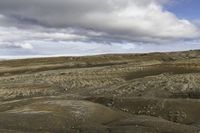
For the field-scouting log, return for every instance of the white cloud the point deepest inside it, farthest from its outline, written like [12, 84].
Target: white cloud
[24, 45]
[130, 20]
[9, 45]
[85, 27]
[14, 37]
[143, 23]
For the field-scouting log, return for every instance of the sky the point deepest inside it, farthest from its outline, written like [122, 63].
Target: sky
[37, 28]
[188, 9]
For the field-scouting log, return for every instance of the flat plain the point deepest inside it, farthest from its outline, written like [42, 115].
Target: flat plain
[122, 93]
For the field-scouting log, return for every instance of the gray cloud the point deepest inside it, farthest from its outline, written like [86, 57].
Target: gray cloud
[82, 27]
[128, 20]
[17, 35]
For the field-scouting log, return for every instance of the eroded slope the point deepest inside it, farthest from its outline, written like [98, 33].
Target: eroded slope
[152, 93]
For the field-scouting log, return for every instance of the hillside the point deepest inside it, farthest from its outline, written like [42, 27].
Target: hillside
[122, 93]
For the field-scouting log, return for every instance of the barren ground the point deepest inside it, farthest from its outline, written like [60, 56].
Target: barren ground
[131, 93]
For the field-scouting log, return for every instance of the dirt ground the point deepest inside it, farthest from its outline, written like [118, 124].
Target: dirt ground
[124, 93]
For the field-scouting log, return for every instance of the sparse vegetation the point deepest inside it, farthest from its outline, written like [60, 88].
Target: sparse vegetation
[155, 93]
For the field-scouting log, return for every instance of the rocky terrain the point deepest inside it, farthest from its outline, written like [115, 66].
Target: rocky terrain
[130, 93]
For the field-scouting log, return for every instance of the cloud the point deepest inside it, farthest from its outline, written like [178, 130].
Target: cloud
[196, 22]
[16, 46]
[127, 20]
[24, 45]
[71, 48]
[87, 27]
[14, 37]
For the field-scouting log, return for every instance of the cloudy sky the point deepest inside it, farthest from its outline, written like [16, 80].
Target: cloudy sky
[85, 27]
